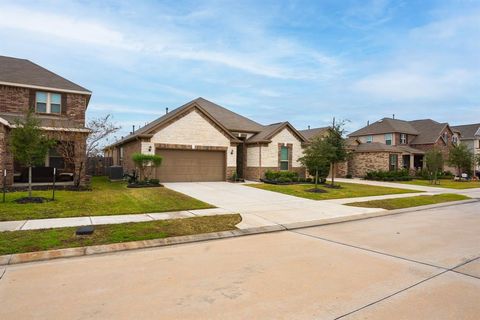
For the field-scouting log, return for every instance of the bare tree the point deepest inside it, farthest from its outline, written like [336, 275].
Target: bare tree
[101, 128]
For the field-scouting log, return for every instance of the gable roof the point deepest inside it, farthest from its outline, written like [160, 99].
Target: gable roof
[220, 116]
[271, 130]
[386, 125]
[468, 131]
[311, 133]
[22, 72]
[430, 130]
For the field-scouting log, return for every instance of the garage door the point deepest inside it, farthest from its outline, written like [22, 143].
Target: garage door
[191, 165]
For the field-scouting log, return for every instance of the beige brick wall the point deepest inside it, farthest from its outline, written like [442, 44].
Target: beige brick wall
[253, 156]
[270, 153]
[194, 129]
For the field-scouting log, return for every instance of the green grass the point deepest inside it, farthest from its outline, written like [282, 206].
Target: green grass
[48, 239]
[399, 203]
[347, 190]
[106, 198]
[444, 183]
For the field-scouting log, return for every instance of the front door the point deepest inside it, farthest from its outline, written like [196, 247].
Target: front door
[240, 162]
[406, 161]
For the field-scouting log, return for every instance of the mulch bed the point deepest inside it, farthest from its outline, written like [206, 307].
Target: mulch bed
[316, 190]
[32, 200]
[137, 185]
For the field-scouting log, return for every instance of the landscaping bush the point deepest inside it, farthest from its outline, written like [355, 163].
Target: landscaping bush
[380, 175]
[281, 176]
[349, 176]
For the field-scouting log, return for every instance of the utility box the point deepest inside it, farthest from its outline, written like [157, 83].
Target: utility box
[115, 172]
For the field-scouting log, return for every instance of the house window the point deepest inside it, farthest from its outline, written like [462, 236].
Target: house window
[369, 139]
[455, 139]
[393, 162]
[284, 158]
[403, 138]
[47, 102]
[388, 139]
[445, 136]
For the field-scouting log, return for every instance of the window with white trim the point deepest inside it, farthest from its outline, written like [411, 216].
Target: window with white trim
[369, 139]
[403, 138]
[48, 102]
[284, 158]
[388, 139]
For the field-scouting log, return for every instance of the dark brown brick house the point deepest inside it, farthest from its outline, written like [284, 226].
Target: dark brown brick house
[60, 106]
[391, 144]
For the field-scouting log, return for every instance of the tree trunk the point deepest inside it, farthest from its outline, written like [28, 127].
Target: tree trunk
[333, 173]
[30, 181]
[316, 179]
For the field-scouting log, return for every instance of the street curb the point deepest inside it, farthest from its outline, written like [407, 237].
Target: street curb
[18, 258]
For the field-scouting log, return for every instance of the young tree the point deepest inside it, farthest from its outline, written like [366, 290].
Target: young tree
[70, 145]
[29, 145]
[101, 128]
[434, 163]
[314, 160]
[145, 163]
[460, 157]
[334, 146]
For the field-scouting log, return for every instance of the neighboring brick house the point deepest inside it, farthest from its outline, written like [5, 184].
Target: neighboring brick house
[391, 144]
[202, 141]
[469, 134]
[59, 105]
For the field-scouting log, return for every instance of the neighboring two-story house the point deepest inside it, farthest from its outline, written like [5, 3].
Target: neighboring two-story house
[391, 144]
[202, 141]
[470, 135]
[59, 105]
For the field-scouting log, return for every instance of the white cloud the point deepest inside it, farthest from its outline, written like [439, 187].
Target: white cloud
[403, 85]
[268, 57]
[109, 108]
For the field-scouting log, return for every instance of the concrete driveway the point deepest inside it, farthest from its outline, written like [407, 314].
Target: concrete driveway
[420, 265]
[261, 207]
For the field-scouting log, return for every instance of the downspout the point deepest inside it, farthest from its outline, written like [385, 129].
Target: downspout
[259, 160]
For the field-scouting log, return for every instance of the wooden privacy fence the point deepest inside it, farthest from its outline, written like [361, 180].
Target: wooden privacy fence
[96, 165]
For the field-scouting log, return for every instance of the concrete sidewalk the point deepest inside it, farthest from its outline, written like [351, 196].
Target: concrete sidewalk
[98, 220]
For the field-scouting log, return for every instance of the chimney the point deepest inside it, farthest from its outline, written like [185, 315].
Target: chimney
[368, 122]
[166, 110]
[393, 116]
[308, 127]
[133, 129]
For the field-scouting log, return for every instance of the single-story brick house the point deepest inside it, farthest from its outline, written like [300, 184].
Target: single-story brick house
[202, 141]
[60, 107]
[391, 144]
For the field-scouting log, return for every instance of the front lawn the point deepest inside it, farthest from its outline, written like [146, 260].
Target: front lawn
[347, 190]
[48, 239]
[446, 183]
[106, 198]
[399, 203]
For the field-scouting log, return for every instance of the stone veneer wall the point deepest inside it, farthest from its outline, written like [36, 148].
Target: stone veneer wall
[363, 162]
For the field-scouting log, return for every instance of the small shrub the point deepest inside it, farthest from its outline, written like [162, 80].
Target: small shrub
[348, 176]
[380, 175]
[154, 181]
[280, 176]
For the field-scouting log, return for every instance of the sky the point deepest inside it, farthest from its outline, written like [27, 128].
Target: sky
[299, 61]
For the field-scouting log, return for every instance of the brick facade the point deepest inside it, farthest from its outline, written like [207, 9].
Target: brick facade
[362, 162]
[18, 100]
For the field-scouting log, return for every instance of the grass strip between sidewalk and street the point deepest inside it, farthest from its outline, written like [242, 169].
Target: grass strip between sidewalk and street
[347, 190]
[444, 183]
[408, 202]
[59, 238]
[105, 198]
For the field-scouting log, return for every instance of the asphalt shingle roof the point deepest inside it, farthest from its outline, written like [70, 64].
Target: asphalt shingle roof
[311, 133]
[429, 130]
[25, 72]
[386, 125]
[468, 131]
